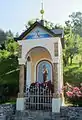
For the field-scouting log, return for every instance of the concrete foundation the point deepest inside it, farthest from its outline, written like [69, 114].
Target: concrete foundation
[56, 103]
[20, 104]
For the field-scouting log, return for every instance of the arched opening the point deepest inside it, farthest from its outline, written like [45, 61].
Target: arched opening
[39, 69]
[37, 54]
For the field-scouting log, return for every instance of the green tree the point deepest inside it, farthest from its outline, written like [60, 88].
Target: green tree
[2, 36]
[12, 47]
[9, 35]
[76, 22]
[58, 26]
[4, 54]
[70, 44]
[30, 22]
[17, 35]
[79, 44]
[47, 24]
[73, 32]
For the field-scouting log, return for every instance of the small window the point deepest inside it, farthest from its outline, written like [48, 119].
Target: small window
[56, 49]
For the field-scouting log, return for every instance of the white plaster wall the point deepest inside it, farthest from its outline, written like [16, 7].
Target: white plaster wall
[44, 42]
[21, 61]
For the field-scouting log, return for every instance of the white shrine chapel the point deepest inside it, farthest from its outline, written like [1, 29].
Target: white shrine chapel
[41, 68]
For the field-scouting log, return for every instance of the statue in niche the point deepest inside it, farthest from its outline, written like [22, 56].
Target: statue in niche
[45, 73]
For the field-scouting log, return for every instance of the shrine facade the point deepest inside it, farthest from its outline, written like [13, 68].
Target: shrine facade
[40, 62]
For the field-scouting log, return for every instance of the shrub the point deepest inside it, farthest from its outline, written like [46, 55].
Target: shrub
[73, 94]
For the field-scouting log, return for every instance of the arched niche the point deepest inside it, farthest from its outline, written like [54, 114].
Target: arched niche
[44, 71]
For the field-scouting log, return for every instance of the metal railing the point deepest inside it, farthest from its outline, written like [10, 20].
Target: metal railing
[38, 98]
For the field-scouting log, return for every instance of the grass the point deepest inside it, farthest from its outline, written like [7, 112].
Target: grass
[73, 74]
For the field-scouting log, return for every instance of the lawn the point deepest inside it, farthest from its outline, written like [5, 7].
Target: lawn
[73, 74]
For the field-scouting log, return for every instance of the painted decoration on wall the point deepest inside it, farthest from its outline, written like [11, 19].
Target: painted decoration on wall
[38, 32]
[44, 72]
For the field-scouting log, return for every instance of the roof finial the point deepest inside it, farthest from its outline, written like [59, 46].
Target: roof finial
[42, 11]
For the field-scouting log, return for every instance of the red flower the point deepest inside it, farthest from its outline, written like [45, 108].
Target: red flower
[80, 92]
[69, 94]
[76, 89]
[78, 95]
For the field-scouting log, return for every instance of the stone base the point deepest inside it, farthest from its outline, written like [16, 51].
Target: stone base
[36, 115]
[20, 104]
[3, 117]
[56, 103]
[20, 95]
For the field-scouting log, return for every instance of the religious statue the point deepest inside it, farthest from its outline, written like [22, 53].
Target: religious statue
[45, 73]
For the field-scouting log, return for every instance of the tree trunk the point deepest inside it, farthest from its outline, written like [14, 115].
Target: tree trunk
[71, 59]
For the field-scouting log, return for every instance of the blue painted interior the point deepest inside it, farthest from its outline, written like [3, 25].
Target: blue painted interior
[40, 71]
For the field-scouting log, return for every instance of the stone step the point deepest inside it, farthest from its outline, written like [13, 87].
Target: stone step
[3, 117]
[67, 113]
[36, 115]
